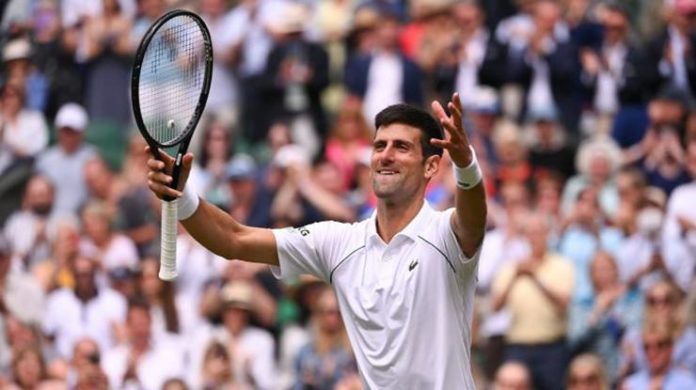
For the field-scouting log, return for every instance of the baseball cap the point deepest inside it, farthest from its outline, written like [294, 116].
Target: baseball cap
[241, 167]
[73, 116]
[543, 114]
[685, 6]
[16, 49]
[121, 273]
[236, 294]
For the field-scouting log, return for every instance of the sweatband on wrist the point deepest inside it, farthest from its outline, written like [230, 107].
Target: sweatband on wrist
[469, 176]
[187, 204]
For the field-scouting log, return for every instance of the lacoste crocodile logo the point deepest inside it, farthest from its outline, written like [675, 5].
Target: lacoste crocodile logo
[413, 265]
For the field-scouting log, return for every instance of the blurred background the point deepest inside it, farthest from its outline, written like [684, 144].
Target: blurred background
[581, 111]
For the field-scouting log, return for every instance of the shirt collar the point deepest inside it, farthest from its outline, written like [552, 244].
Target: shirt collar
[411, 230]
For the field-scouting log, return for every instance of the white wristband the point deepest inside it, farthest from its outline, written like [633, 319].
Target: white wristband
[187, 204]
[469, 176]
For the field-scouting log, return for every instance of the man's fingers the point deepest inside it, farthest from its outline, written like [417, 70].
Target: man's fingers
[438, 110]
[162, 190]
[159, 177]
[155, 165]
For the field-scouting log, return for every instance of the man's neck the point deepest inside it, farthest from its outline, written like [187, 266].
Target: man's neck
[393, 218]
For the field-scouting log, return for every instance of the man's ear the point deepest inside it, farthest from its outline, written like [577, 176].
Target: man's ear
[432, 165]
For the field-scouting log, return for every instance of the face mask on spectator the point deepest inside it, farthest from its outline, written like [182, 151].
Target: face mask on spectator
[649, 221]
[42, 209]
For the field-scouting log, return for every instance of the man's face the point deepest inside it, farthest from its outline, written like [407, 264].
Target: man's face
[615, 26]
[397, 166]
[39, 196]
[658, 350]
[69, 139]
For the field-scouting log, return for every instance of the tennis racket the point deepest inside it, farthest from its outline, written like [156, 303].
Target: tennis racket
[169, 88]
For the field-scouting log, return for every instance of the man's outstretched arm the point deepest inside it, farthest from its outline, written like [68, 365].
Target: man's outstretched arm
[210, 226]
[469, 220]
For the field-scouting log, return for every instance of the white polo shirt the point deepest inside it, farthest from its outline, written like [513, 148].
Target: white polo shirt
[407, 305]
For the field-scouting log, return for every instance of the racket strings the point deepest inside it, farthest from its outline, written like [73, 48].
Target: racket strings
[171, 79]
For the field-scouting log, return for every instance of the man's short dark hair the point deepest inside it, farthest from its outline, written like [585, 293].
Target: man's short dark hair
[413, 116]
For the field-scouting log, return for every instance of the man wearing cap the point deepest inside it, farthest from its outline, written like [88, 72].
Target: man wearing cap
[251, 203]
[64, 163]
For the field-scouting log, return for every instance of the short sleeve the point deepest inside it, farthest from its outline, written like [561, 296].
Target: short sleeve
[451, 244]
[310, 249]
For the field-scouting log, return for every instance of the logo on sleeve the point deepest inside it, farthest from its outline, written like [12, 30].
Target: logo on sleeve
[413, 265]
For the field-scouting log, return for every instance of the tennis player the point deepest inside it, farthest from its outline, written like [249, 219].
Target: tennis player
[405, 277]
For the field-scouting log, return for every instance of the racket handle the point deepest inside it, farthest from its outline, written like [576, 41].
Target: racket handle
[168, 250]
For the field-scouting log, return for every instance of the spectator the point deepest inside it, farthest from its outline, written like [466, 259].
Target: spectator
[85, 310]
[549, 147]
[586, 372]
[328, 357]
[384, 76]
[680, 218]
[619, 79]
[660, 153]
[100, 241]
[672, 51]
[217, 368]
[20, 295]
[537, 292]
[141, 362]
[665, 308]
[24, 131]
[250, 200]
[545, 63]
[106, 47]
[251, 42]
[297, 72]
[348, 138]
[662, 372]
[584, 231]
[511, 155]
[597, 322]
[64, 163]
[223, 97]
[167, 314]
[309, 194]
[26, 228]
[28, 369]
[84, 360]
[513, 376]
[138, 210]
[216, 153]
[644, 257]
[597, 161]
[251, 348]
[63, 234]
[468, 56]
[20, 70]
[630, 185]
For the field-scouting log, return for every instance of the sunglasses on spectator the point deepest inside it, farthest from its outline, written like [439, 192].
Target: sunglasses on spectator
[583, 379]
[660, 300]
[657, 345]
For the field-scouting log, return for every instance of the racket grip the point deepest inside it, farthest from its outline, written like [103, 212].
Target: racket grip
[168, 250]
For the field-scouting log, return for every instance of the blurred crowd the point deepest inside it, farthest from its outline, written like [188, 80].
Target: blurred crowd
[582, 114]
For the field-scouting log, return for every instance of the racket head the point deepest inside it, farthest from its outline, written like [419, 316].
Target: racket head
[171, 78]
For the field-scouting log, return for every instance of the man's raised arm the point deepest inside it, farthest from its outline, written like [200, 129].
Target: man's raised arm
[207, 224]
[469, 220]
